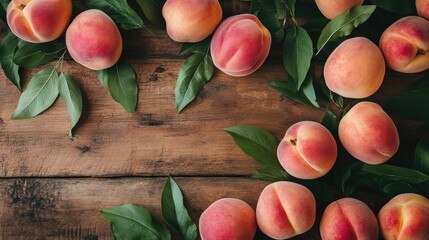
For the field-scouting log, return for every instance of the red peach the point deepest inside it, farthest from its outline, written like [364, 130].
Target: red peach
[332, 8]
[308, 150]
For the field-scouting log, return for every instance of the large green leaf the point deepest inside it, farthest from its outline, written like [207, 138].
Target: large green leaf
[395, 173]
[406, 7]
[132, 222]
[257, 143]
[7, 50]
[175, 212]
[119, 10]
[271, 174]
[268, 15]
[40, 94]
[31, 55]
[193, 75]
[72, 98]
[152, 9]
[297, 54]
[421, 157]
[343, 24]
[122, 83]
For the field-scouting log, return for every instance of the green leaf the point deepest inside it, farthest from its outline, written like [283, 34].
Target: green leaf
[421, 157]
[31, 55]
[269, 18]
[40, 94]
[343, 24]
[198, 47]
[119, 10]
[331, 96]
[135, 223]
[271, 174]
[331, 122]
[72, 98]
[285, 8]
[175, 212]
[411, 104]
[395, 173]
[405, 7]
[297, 54]
[122, 83]
[152, 9]
[193, 75]
[3, 9]
[103, 76]
[7, 50]
[257, 143]
[395, 188]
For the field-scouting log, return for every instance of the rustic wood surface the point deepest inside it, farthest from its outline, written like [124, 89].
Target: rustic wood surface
[54, 188]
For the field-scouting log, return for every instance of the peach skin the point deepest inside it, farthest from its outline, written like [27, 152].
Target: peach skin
[332, 8]
[285, 209]
[39, 21]
[405, 216]
[368, 133]
[423, 8]
[228, 219]
[191, 20]
[94, 40]
[308, 150]
[405, 45]
[348, 219]
[355, 69]
[240, 45]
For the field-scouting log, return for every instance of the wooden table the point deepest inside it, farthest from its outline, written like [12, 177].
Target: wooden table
[54, 188]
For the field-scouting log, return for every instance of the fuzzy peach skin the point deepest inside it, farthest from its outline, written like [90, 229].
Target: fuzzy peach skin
[405, 216]
[332, 8]
[39, 21]
[348, 219]
[308, 150]
[405, 45]
[423, 8]
[94, 40]
[191, 20]
[228, 219]
[355, 69]
[240, 45]
[285, 209]
[368, 133]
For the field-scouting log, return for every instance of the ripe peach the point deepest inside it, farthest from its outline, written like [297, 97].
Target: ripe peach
[191, 20]
[38, 21]
[228, 218]
[332, 8]
[368, 133]
[308, 150]
[285, 209]
[405, 45]
[348, 219]
[240, 45]
[94, 40]
[355, 69]
[423, 8]
[405, 216]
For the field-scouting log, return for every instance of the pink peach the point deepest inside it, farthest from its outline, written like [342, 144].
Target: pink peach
[332, 8]
[423, 8]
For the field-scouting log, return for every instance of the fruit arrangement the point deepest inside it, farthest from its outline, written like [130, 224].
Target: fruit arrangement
[316, 167]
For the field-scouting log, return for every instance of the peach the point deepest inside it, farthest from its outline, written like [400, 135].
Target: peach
[348, 219]
[423, 8]
[94, 40]
[39, 21]
[368, 133]
[405, 216]
[355, 69]
[285, 209]
[191, 20]
[308, 150]
[240, 45]
[228, 219]
[405, 45]
[332, 8]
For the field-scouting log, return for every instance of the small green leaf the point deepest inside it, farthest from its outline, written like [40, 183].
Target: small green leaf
[297, 54]
[198, 47]
[7, 50]
[122, 83]
[152, 9]
[257, 143]
[421, 157]
[135, 223]
[271, 174]
[119, 10]
[343, 24]
[193, 75]
[395, 173]
[72, 98]
[31, 55]
[175, 212]
[41, 92]
[405, 7]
